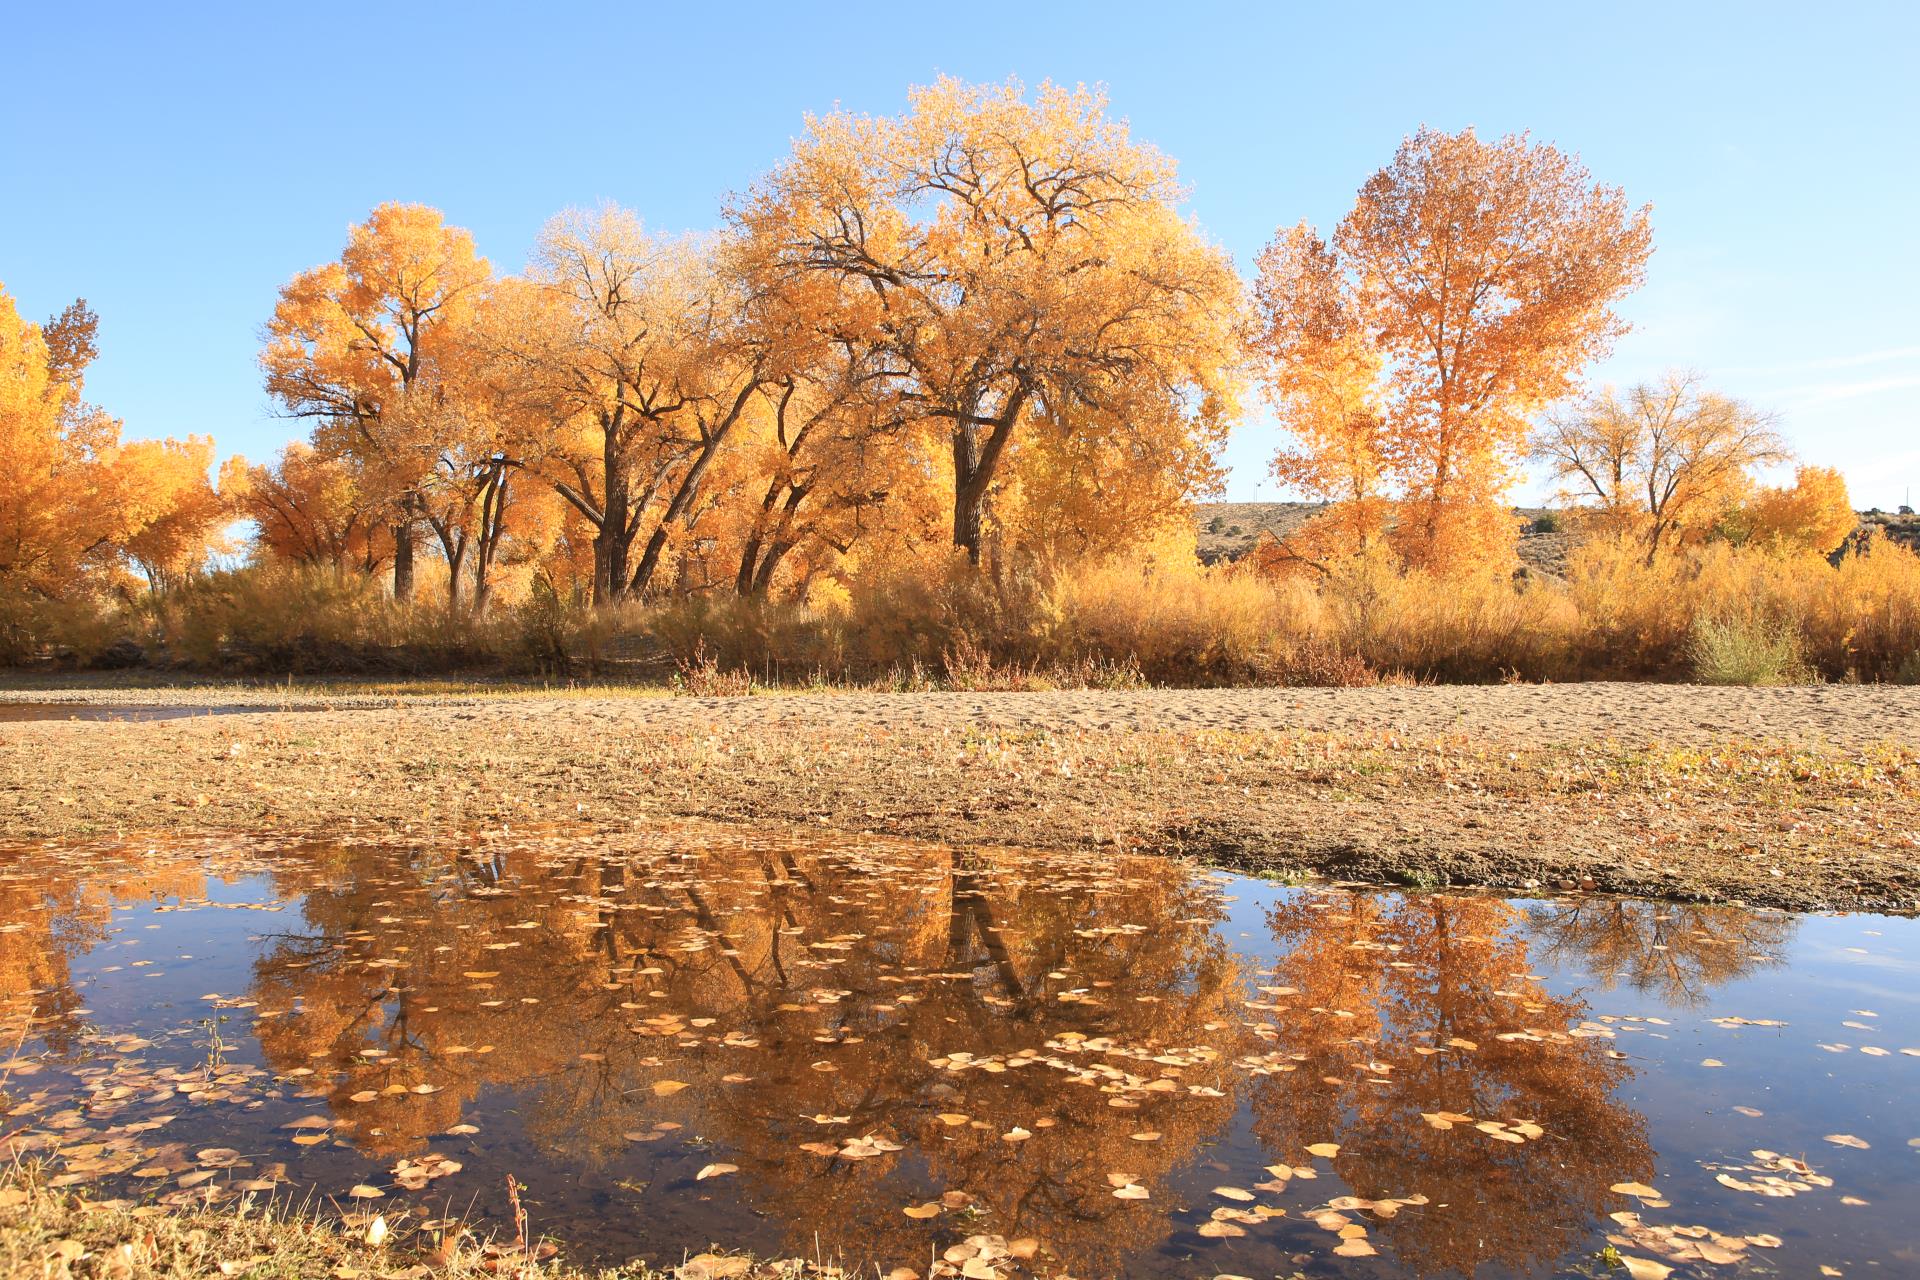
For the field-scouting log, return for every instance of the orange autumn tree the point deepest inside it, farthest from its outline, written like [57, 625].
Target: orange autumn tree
[186, 515]
[1813, 514]
[831, 461]
[1323, 381]
[76, 503]
[1664, 463]
[642, 357]
[365, 347]
[307, 509]
[1018, 268]
[59, 501]
[1482, 277]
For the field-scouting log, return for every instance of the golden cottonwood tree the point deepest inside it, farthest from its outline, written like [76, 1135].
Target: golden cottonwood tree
[74, 500]
[1660, 463]
[830, 458]
[307, 509]
[181, 516]
[1323, 380]
[1813, 514]
[1482, 276]
[640, 352]
[1017, 267]
[58, 502]
[366, 348]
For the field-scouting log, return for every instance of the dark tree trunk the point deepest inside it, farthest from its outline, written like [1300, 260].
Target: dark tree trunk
[763, 580]
[689, 487]
[975, 459]
[612, 540]
[749, 565]
[493, 524]
[967, 492]
[403, 562]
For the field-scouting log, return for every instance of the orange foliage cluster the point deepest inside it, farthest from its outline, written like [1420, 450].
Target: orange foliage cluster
[980, 327]
[75, 501]
[1461, 295]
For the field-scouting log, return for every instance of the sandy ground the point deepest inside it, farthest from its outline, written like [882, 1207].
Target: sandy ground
[1543, 715]
[1788, 797]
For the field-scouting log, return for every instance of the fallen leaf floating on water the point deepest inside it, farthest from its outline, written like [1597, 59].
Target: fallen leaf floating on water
[365, 1192]
[930, 1209]
[667, 1088]
[1131, 1191]
[1846, 1140]
[1328, 1150]
[415, 1174]
[1644, 1268]
[1232, 1193]
[1639, 1190]
[715, 1171]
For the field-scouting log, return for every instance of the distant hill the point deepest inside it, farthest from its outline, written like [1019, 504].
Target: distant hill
[1229, 530]
[1904, 529]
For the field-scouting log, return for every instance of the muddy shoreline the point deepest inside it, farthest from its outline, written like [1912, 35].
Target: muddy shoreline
[1791, 798]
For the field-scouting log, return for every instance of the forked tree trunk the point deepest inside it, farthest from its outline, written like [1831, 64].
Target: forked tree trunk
[976, 457]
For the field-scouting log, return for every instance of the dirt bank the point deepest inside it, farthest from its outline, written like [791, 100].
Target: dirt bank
[1796, 798]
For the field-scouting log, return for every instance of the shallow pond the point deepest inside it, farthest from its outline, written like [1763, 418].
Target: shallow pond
[877, 1051]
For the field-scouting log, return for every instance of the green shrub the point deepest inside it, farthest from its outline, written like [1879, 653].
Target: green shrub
[1747, 651]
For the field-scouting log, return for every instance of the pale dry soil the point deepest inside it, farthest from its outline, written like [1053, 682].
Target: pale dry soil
[1797, 798]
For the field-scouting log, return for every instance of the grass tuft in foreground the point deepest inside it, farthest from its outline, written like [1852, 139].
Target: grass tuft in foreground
[55, 1235]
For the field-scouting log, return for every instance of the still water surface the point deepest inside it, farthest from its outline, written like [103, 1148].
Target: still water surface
[1116, 1065]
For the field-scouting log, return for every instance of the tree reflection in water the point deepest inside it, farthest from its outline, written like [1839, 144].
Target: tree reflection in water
[801, 997]
[1396, 1009]
[864, 1025]
[1679, 952]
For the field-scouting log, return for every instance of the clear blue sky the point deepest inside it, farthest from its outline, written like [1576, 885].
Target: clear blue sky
[174, 164]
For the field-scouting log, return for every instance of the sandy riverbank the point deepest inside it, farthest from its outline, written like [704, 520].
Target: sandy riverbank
[1797, 798]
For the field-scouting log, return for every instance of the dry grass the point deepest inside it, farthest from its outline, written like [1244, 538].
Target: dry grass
[1086, 625]
[52, 1235]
